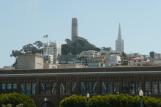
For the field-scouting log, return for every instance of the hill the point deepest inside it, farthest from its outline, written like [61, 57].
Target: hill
[78, 45]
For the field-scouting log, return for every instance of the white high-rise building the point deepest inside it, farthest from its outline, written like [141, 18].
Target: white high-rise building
[58, 48]
[119, 42]
[50, 52]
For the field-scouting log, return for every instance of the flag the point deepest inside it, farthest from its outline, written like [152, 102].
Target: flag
[45, 36]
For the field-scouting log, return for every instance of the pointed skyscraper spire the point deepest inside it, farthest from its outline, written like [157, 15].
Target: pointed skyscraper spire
[119, 42]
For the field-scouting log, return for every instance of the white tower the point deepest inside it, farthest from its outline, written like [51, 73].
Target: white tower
[74, 29]
[119, 42]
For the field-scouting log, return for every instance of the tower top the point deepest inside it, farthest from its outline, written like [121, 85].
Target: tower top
[74, 29]
[74, 17]
[119, 32]
[74, 20]
[119, 41]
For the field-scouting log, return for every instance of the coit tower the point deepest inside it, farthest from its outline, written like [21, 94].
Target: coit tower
[74, 29]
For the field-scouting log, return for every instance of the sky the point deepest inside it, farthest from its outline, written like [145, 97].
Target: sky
[26, 21]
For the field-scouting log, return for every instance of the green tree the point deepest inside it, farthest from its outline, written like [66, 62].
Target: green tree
[16, 99]
[74, 101]
[78, 45]
[36, 47]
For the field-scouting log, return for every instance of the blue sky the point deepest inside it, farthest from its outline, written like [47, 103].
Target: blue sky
[25, 21]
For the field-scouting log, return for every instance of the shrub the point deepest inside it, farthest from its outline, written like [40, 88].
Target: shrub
[74, 101]
[15, 99]
[119, 100]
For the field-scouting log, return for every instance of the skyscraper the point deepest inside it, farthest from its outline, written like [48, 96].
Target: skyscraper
[119, 42]
[50, 52]
[74, 29]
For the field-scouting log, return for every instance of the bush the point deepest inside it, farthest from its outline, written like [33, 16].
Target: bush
[119, 100]
[74, 101]
[16, 99]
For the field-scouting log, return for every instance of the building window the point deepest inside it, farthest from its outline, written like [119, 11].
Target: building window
[117, 86]
[33, 88]
[74, 89]
[134, 88]
[54, 88]
[155, 88]
[0, 86]
[3, 86]
[9, 86]
[14, 85]
[107, 87]
[110, 87]
[104, 88]
[28, 88]
[83, 88]
[68, 88]
[147, 88]
[23, 88]
[125, 86]
[45, 88]
[89, 87]
[160, 87]
[62, 89]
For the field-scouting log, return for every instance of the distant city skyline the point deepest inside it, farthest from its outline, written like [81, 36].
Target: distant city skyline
[23, 22]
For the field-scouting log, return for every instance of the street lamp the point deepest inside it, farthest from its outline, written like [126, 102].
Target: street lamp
[141, 94]
[88, 95]
[45, 101]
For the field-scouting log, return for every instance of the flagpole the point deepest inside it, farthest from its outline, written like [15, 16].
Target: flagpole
[46, 37]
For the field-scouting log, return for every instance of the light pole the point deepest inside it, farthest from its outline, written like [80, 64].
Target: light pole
[45, 101]
[88, 95]
[141, 94]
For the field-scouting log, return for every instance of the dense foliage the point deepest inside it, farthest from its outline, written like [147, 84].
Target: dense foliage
[73, 101]
[35, 47]
[77, 46]
[119, 100]
[16, 99]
